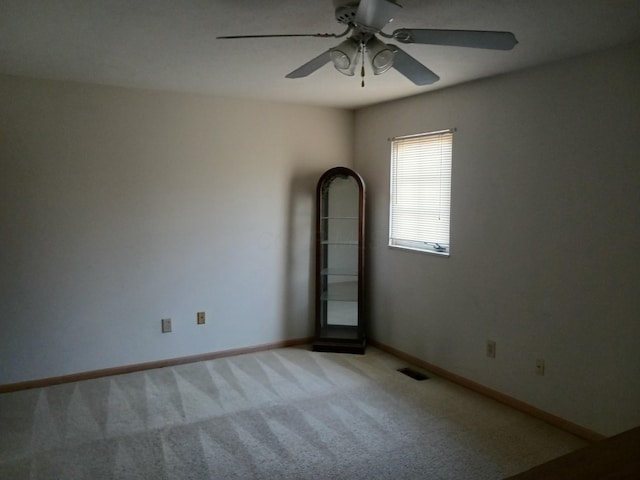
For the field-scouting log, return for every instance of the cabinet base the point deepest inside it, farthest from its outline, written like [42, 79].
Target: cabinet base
[339, 346]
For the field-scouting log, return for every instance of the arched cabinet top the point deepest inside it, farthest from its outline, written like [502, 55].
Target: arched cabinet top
[334, 172]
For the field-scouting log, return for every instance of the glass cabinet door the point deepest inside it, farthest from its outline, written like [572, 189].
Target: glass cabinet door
[340, 262]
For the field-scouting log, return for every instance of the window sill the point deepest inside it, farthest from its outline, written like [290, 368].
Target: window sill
[421, 250]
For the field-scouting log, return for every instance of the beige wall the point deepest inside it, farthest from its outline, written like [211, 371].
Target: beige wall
[121, 207]
[545, 237]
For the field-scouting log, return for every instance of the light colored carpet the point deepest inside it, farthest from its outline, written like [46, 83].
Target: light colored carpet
[280, 414]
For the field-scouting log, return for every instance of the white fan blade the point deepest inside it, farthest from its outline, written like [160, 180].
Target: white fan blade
[412, 68]
[457, 38]
[311, 66]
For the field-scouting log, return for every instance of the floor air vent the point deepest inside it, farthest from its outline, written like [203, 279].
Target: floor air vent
[410, 372]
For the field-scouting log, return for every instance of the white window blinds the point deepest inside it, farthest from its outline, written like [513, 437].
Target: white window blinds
[421, 192]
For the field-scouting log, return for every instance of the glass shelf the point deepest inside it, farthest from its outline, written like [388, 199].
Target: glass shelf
[340, 242]
[339, 272]
[341, 292]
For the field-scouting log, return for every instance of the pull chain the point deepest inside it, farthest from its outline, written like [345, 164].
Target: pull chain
[362, 68]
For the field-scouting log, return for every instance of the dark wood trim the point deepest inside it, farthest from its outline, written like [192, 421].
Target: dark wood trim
[170, 362]
[554, 420]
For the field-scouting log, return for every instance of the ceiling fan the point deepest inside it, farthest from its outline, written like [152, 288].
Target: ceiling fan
[364, 20]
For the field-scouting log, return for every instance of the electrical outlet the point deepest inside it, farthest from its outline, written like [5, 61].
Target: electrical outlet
[166, 325]
[540, 366]
[491, 349]
[201, 318]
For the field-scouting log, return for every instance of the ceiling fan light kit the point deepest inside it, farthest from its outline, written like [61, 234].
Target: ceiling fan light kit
[345, 56]
[380, 55]
[364, 20]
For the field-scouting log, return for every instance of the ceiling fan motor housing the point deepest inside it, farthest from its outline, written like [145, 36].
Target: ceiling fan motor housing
[345, 10]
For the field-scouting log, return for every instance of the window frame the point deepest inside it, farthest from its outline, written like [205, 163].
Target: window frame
[437, 243]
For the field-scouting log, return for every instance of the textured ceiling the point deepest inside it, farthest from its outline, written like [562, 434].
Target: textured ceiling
[172, 45]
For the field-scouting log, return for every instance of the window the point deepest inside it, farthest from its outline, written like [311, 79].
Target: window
[420, 200]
